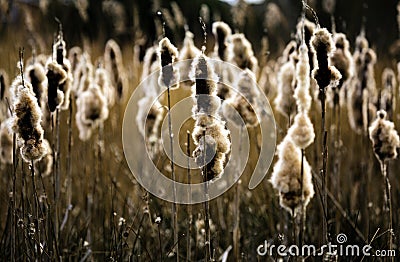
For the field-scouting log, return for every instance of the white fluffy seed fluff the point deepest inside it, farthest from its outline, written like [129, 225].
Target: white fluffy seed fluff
[91, 111]
[101, 78]
[149, 122]
[36, 75]
[286, 177]
[168, 55]
[244, 101]
[302, 92]
[83, 75]
[343, 61]
[114, 65]
[221, 32]
[44, 167]
[240, 53]
[211, 138]
[286, 80]
[56, 76]
[26, 123]
[384, 137]
[302, 131]
[188, 52]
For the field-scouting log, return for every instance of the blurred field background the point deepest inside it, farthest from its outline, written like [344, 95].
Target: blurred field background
[111, 218]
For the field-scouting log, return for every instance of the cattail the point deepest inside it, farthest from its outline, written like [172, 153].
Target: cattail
[83, 75]
[343, 61]
[36, 75]
[114, 66]
[56, 75]
[286, 83]
[221, 32]
[309, 28]
[286, 177]
[74, 57]
[210, 135]
[6, 143]
[91, 111]
[178, 15]
[59, 55]
[245, 101]
[26, 121]
[384, 137]
[241, 53]
[362, 96]
[188, 52]
[150, 63]
[388, 98]
[274, 19]
[239, 12]
[323, 47]
[44, 167]
[302, 130]
[302, 91]
[102, 80]
[149, 123]
[168, 54]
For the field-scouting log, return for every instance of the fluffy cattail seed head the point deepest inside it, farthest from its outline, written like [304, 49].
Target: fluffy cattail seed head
[322, 45]
[221, 32]
[286, 177]
[26, 120]
[241, 53]
[302, 92]
[56, 76]
[245, 101]
[302, 131]
[168, 53]
[115, 67]
[384, 137]
[36, 75]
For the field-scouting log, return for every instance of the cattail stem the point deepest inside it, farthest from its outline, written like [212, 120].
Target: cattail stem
[14, 217]
[36, 209]
[236, 228]
[324, 135]
[388, 201]
[302, 213]
[206, 205]
[174, 206]
[189, 206]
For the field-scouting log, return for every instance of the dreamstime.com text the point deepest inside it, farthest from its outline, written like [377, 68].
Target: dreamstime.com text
[340, 249]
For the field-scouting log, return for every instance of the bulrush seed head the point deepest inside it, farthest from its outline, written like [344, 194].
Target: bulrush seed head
[168, 54]
[91, 111]
[322, 45]
[221, 32]
[286, 177]
[36, 75]
[241, 53]
[245, 101]
[210, 136]
[56, 76]
[26, 121]
[115, 67]
[384, 137]
[302, 92]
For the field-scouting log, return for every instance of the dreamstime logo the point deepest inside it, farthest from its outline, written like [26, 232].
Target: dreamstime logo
[149, 176]
[341, 249]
